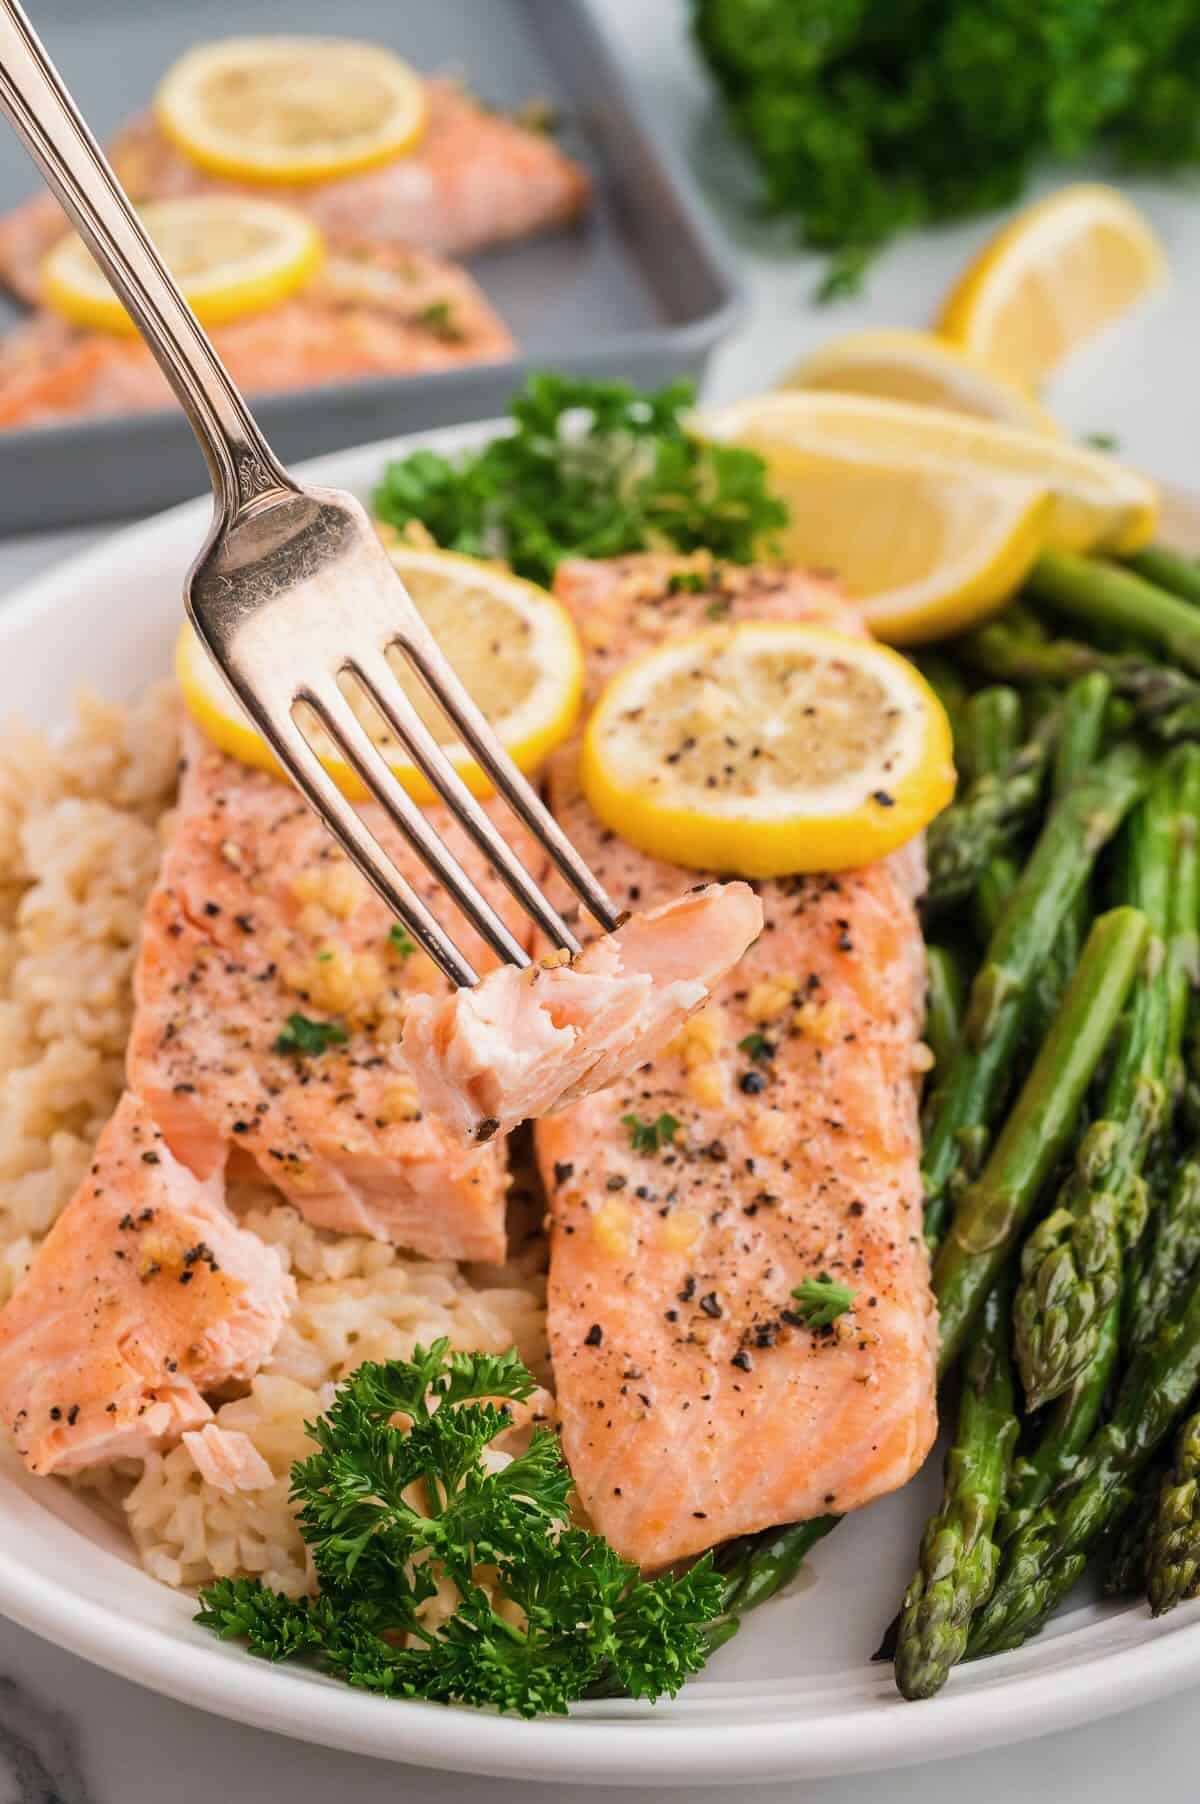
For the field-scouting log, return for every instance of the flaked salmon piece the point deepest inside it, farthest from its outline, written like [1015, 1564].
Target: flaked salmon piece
[258, 917]
[377, 313]
[144, 1296]
[523, 1044]
[695, 1403]
[227, 1459]
[475, 179]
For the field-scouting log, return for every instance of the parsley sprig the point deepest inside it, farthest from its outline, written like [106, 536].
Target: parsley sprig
[650, 1136]
[585, 1614]
[307, 1038]
[591, 469]
[400, 940]
[820, 1301]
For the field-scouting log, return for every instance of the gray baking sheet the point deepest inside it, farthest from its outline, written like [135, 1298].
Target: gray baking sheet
[641, 289]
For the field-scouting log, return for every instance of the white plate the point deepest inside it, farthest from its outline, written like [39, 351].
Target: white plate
[795, 1695]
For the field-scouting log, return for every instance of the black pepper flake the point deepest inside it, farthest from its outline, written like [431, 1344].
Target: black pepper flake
[672, 1315]
[126, 1221]
[689, 1289]
[594, 1335]
[709, 1304]
[146, 1215]
[72, 1415]
[212, 908]
[56, 1414]
[883, 798]
[151, 1159]
[186, 1277]
[615, 1182]
[700, 1515]
[563, 1169]
[753, 1083]
[742, 1360]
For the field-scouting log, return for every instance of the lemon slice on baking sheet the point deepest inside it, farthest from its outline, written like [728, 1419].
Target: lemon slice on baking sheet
[513, 646]
[291, 109]
[230, 254]
[766, 748]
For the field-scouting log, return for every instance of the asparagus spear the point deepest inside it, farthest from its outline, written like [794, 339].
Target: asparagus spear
[1071, 1264]
[1046, 1557]
[1169, 570]
[1125, 1563]
[1184, 948]
[965, 836]
[993, 1209]
[1173, 1543]
[958, 1558]
[1166, 701]
[1167, 1257]
[1102, 594]
[1068, 1428]
[1084, 717]
[755, 1567]
[943, 1004]
[1055, 873]
[993, 721]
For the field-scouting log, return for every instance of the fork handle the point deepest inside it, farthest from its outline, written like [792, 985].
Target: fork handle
[33, 96]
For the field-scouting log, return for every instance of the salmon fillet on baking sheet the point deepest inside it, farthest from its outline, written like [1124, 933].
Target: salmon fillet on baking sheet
[387, 312]
[144, 1296]
[258, 918]
[474, 178]
[695, 1403]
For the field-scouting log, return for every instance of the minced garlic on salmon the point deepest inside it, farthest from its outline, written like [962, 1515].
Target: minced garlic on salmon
[144, 1296]
[258, 918]
[521, 1044]
[386, 312]
[473, 179]
[774, 1140]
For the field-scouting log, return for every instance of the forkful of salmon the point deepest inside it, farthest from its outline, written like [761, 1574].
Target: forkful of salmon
[298, 605]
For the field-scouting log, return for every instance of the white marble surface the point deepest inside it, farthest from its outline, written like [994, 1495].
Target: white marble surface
[72, 1735]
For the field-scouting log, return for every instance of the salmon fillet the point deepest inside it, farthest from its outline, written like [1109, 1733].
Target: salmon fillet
[474, 179]
[144, 1295]
[695, 1403]
[379, 313]
[258, 917]
[521, 1044]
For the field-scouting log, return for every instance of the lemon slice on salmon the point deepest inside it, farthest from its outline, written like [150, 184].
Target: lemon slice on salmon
[230, 255]
[906, 365]
[1063, 269]
[766, 748]
[291, 109]
[512, 645]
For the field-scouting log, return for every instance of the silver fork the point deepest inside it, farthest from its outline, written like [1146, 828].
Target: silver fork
[292, 589]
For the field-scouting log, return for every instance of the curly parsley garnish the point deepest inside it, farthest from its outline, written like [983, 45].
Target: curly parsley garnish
[583, 1615]
[820, 1301]
[399, 941]
[650, 1136]
[591, 469]
[307, 1038]
[758, 1047]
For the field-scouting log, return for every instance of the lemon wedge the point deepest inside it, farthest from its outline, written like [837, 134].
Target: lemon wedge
[921, 367]
[291, 109]
[928, 517]
[229, 254]
[765, 748]
[1052, 278]
[512, 645]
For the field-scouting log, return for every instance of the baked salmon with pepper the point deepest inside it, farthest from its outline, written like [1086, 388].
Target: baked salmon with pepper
[521, 1044]
[144, 1296]
[474, 178]
[386, 312]
[774, 1140]
[270, 994]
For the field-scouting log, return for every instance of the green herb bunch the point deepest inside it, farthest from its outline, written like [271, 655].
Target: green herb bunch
[387, 1508]
[590, 469]
[867, 119]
